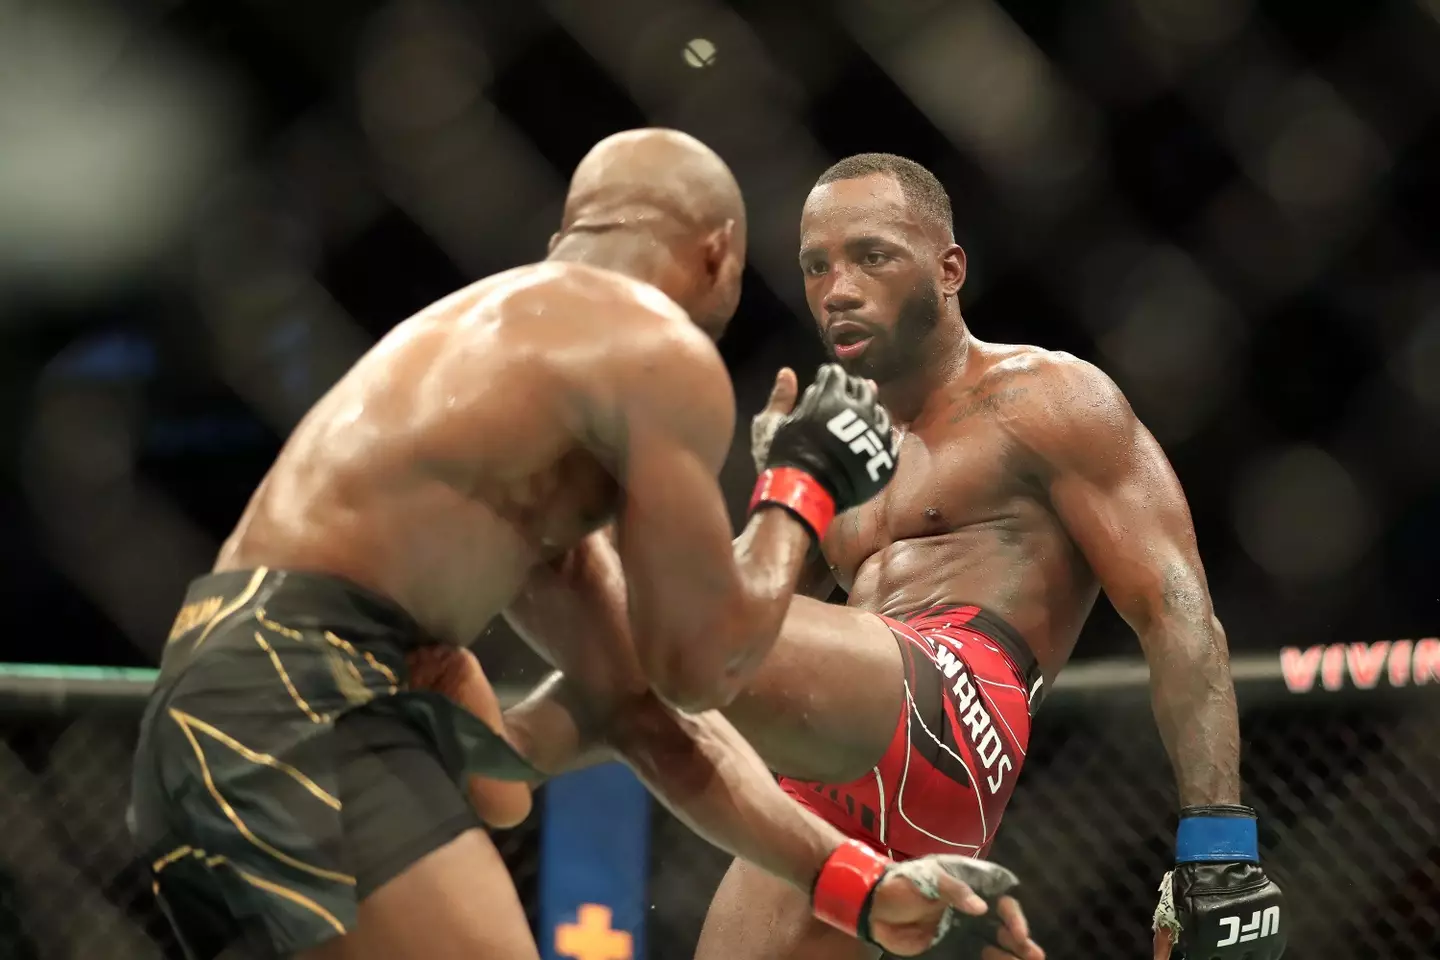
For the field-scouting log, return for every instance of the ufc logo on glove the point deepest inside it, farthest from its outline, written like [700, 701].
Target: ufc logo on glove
[849, 428]
[1262, 924]
[1216, 885]
[810, 469]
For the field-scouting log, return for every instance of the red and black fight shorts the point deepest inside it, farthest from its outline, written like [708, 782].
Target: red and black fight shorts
[971, 684]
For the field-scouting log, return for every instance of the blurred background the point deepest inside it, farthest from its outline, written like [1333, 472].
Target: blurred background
[208, 211]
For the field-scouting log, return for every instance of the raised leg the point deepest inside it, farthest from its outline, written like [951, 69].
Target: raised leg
[825, 702]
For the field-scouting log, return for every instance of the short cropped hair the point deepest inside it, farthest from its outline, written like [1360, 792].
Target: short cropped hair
[918, 184]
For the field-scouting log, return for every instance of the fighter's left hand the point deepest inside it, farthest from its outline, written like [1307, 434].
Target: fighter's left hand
[922, 902]
[1218, 902]
[907, 908]
[456, 673]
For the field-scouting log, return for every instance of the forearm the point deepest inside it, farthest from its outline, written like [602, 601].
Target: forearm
[698, 655]
[1194, 702]
[557, 730]
[705, 773]
[772, 555]
[815, 578]
[698, 766]
[572, 612]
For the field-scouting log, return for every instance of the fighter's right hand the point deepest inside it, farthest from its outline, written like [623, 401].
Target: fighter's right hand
[908, 908]
[834, 451]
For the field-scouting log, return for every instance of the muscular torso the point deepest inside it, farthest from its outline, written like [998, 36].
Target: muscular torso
[454, 456]
[966, 518]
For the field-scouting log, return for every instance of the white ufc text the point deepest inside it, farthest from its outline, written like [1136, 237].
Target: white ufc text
[1265, 924]
[849, 428]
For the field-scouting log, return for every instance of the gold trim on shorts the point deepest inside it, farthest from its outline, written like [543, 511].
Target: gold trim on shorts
[188, 724]
[285, 679]
[244, 597]
[280, 890]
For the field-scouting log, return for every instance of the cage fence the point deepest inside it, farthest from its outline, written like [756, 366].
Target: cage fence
[1347, 785]
[1347, 788]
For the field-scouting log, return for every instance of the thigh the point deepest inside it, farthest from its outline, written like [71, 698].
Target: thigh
[399, 800]
[756, 916]
[431, 884]
[455, 903]
[824, 703]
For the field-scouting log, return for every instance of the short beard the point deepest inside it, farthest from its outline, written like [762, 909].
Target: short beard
[894, 354]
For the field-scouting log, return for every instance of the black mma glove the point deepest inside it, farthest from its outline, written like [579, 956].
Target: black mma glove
[834, 451]
[1217, 903]
[844, 894]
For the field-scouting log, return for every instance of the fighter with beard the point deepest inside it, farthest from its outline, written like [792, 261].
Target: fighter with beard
[1025, 485]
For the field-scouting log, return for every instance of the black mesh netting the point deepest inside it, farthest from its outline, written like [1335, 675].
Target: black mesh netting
[1349, 798]
[1349, 801]
[69, 886]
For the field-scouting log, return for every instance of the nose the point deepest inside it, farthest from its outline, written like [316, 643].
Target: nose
[843, 294]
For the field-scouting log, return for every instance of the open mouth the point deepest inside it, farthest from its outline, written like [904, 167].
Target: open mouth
[849, 340]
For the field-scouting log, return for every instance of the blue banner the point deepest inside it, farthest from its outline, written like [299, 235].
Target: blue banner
[594, 849]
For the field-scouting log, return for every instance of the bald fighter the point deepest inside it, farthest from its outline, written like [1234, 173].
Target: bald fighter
[297, 791]
[1025, 485]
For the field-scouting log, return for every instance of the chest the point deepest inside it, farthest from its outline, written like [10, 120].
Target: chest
[945, 481]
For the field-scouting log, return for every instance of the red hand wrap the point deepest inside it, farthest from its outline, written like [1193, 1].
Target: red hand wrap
[844, 885]
[798, 492]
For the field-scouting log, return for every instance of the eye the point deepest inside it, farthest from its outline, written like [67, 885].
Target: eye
[874, 258]
[815, 268]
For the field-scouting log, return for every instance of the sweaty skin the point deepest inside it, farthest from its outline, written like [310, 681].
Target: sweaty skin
[451, 459]
[969, 517]
[1024, 483]
[495, 429]
[462, 462]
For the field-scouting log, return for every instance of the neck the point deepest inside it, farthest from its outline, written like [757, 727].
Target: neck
[944, 352]
[634, 252]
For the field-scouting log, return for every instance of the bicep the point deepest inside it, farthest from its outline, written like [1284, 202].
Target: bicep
[1123, 506]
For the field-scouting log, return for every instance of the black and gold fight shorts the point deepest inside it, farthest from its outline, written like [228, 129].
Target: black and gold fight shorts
[284, 771]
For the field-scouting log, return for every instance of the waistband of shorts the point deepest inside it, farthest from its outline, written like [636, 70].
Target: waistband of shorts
[973, 617]
[303, 600]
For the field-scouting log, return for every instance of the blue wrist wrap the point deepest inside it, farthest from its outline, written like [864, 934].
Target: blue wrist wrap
[1214, 839]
